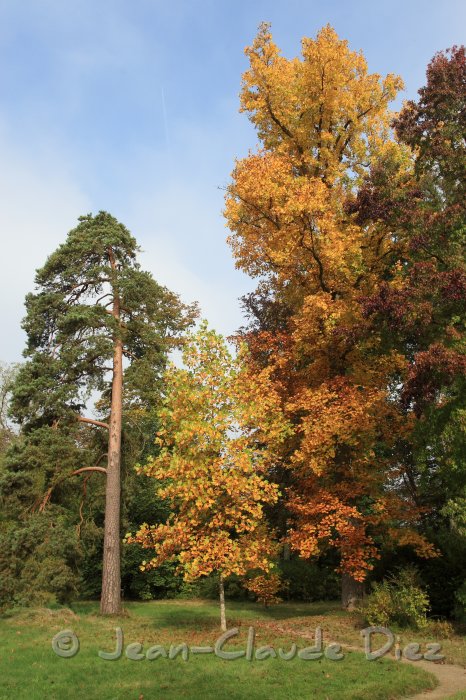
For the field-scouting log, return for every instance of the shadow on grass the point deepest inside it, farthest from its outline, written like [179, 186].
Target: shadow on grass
[204, 614]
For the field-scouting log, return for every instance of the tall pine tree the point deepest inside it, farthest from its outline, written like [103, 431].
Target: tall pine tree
[98, 324]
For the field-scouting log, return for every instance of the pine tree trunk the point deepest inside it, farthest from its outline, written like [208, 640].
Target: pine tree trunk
[223, 619]
[110, 601]
[352, 593]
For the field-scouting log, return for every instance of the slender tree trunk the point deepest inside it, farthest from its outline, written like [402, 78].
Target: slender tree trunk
[223, 618]
[352, 593]
[110, 601]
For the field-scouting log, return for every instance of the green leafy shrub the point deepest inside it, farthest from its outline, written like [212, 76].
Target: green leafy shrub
[38, 561]
[440, 629]
[400, 600]
[380, 606]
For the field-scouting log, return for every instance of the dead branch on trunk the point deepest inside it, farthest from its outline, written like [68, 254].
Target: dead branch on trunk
[48, 493]
[91, 421]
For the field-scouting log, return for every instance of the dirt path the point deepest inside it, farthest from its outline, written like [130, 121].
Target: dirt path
[452, 679]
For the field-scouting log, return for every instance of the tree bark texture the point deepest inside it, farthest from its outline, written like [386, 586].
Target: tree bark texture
[110, 602]
[352, 592]
[223, 619]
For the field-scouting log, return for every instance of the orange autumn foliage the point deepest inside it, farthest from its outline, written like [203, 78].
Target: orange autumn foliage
[322, 120]
[221, 425]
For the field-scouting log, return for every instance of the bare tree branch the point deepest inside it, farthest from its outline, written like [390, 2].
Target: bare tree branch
[48, 493]
[91, 421]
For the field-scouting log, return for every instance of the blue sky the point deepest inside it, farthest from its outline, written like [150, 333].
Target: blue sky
[132, 106]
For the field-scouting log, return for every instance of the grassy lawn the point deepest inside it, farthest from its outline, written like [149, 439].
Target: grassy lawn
[30, 669]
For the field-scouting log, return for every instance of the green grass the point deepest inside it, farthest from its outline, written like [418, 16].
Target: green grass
[30, 669]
